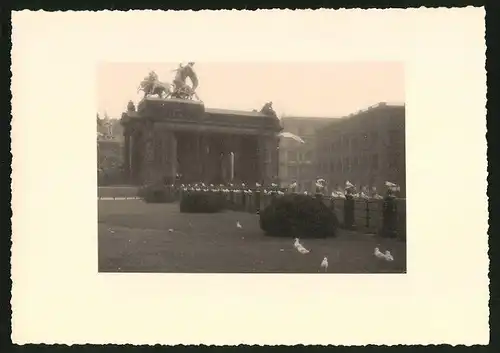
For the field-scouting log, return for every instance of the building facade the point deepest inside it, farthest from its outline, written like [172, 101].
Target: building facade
[367, 148]
[174, 139]
[109, 151]
[298, 161]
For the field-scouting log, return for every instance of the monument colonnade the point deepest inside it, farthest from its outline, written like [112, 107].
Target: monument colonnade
[156, 151]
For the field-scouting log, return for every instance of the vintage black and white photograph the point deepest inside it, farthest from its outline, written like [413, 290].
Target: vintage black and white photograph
[279, 175]
[207, 167]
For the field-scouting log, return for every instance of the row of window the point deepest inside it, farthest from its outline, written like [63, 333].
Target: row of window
[347, 164]
[293, 156]
[295, 171]
[362, 140]
[352, 141]
[395, 160]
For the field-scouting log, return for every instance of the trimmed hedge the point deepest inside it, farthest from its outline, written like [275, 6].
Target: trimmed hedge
[201, 202]
[157, 194]
[298, 216]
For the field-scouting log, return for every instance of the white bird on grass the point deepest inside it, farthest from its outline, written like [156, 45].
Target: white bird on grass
[238, 225]
[378, 253]
[324, 263]
[296, 243]
[386, 256]
[300, 248]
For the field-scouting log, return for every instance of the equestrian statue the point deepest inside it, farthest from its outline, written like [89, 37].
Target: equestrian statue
[151, 85]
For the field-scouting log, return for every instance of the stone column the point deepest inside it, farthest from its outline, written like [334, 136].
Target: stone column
[131, 155]
[199, 157]
[238, 161]
[203, 156]
[172, 155]
[273, 143]
[148, 170]
[267, 158]
[263, 160]
[126, 156]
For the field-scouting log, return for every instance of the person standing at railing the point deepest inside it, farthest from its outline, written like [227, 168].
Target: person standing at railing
[389, 211]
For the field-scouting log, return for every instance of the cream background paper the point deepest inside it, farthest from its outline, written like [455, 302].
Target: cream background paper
[58, 295]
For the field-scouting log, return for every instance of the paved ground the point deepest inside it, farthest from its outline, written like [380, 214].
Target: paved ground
[135, 237]
[117, 191]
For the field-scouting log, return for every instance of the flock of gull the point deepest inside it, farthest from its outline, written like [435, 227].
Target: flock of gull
[364, 194]
[387, 256]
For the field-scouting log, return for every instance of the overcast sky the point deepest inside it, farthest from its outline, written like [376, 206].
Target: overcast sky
[329, 89]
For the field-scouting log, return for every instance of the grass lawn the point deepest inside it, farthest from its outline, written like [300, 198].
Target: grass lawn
[135, 237]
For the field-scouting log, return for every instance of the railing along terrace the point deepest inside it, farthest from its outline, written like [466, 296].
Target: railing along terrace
[375, 215]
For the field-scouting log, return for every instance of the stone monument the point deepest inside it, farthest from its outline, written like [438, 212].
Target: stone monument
[172, 136]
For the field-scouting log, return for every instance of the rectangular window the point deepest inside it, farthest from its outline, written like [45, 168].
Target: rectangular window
[374, 138]
[374, 161]
[395, 137]
[354, 142]
[355, 163]
[394, 160]
[292, 156]
[346, 141]
[346, 164]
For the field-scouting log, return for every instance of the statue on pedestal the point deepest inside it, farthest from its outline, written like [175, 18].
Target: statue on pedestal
[181, 89]
[130, 106]
[267, 109]
[151, 85]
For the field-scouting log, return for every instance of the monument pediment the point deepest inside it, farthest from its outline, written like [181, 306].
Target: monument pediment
[170, 108]
[241, 118]
[192, 113]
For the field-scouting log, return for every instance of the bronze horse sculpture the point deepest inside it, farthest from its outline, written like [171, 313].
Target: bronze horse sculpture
[179, 89]
[161, 89]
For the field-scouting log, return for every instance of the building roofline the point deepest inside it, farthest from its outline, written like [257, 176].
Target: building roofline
[304, 117]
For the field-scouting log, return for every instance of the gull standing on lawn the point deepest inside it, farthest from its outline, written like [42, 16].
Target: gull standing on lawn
[324, 263]
[300, 248]
[378, 253]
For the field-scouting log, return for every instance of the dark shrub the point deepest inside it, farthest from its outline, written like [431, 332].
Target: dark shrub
[157, 194]
[201, 202]
[299, 216]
